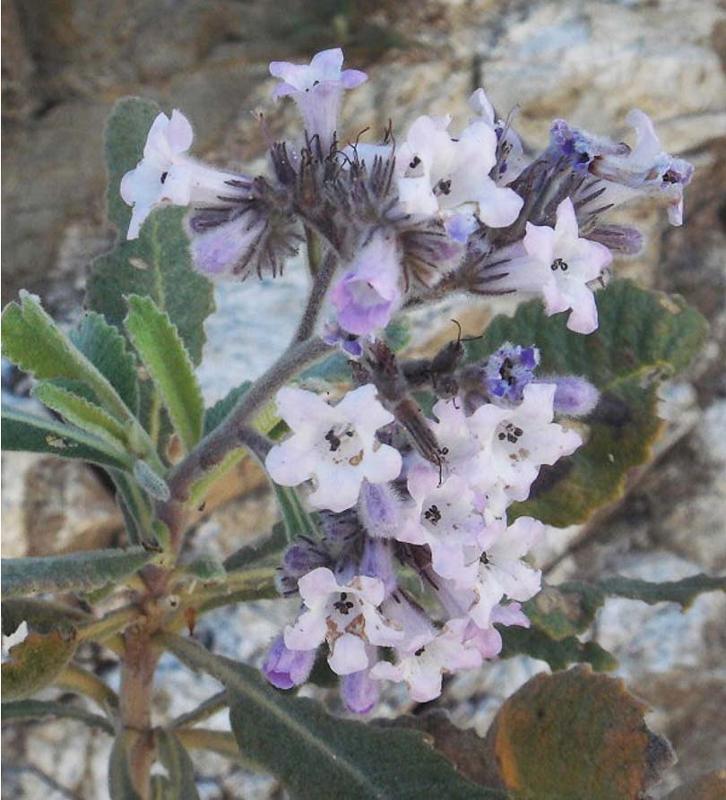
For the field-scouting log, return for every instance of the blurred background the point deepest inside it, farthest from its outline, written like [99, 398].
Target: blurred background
[65, 62]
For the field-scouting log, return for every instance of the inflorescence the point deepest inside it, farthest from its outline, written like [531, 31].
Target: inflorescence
[416, 562]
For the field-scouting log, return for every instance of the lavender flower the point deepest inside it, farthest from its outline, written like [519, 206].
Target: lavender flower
[369, 292]
[335, 445]
[317, 88]
[285, 668]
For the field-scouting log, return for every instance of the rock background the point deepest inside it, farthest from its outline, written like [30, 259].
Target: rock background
[64, 64]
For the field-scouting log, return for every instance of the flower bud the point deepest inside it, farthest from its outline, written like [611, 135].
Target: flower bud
[285, 668]
[574, 397]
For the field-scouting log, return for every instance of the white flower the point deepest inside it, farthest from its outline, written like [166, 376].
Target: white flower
[427, 656]
[346, 616]
[437, 172]
[560, 266]
[334, 445]
[515, 442]
[166, 176]
[446, 517]
[502, 573]
[567, 265]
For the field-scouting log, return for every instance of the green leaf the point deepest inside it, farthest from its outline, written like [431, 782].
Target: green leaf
[156, 265]
[576, 735]
[70, 573]
[215, 415]
[41, 615]
[120, 785]
[570, 608]
[152, 483]
[643, 337]
[162, 352]
[21, 431]
[135, 507]
[295, 518]
[29, 710]
[558, 653]
[33, 341]
[178, 766]
[398, 333]
[36, 662]
[288, 734]
[82, 413]
[105, 348]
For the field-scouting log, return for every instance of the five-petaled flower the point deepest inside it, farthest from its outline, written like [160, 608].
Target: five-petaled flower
[334, 445]
[346, 616]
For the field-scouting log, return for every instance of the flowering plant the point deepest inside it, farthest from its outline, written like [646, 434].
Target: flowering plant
[412, 491]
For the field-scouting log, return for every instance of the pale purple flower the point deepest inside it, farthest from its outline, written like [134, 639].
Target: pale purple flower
[369, 292]
[626, 172]
[166, 176]
[488, 640]
[424, 659]
[334, 445]
[515, 442]
[438, 173]
[447, 517]
[317, 88]
[346, 616]
[560, 266]
[285, 668]
[502, 573]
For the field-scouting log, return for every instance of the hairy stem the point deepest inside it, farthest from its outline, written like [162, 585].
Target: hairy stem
[137, 680]
[233, 433]
[323, 276]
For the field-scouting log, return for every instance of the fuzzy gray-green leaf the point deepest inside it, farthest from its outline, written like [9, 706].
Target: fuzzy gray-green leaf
[163, 354]
[84, 571]
[27, 432]
[106, 349]
[352, 760]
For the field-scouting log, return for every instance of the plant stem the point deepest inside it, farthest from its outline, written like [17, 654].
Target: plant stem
[137, 681]
[323, 276]
[233, 432]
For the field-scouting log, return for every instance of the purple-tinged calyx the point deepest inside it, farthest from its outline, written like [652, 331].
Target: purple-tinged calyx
[503, 376]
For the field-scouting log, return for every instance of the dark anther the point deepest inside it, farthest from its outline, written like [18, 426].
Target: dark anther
[484, 558]
[433, 515]
[420, 651]
[414, 162]
[343, 605]
[559, 263]
[164, 176]
[333, 440]
[444, 187]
